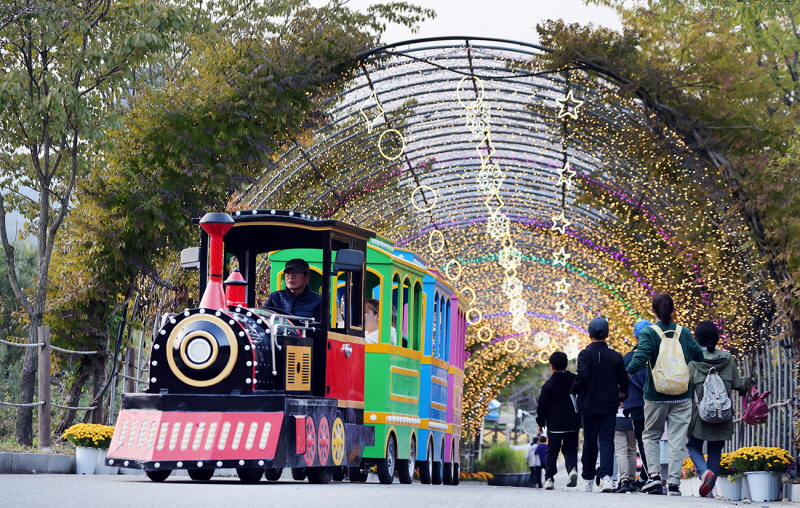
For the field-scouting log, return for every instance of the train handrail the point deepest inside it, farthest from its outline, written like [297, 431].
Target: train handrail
[275, 328]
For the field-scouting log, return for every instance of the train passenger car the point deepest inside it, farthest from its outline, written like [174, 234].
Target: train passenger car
[236, 385]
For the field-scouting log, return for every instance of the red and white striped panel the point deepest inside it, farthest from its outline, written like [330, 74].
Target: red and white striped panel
[156, 435]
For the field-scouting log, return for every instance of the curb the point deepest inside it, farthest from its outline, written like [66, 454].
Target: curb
[36, 463]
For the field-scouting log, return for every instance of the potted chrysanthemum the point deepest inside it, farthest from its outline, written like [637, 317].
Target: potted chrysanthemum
[91, 440]
[762, 467]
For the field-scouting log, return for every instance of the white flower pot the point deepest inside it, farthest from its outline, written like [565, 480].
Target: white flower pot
[86, 459]
[791, 491]
[102, 468]
[690, 487]
[732, 491]
[764, 485]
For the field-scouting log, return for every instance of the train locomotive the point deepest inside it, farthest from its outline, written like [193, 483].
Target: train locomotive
[235, 385]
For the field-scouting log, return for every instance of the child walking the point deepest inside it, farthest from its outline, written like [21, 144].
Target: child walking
[556, 412]
[601, 385]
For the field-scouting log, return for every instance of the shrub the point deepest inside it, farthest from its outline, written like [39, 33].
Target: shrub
[500, 459]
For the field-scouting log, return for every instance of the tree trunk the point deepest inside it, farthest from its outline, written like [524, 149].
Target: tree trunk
[98, 382]
[74, 395]
[24, 431]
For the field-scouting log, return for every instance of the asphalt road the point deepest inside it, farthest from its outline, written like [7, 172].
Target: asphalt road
[67, 491]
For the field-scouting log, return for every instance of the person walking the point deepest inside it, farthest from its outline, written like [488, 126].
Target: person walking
[713, 435]
[556, 412]
[634, 405]
[601, 386]
[659, 407]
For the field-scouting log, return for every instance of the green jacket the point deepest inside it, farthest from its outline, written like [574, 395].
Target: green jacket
[729, 372]
[647, 353]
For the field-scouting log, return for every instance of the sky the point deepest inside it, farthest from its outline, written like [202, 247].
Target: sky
[504, 19]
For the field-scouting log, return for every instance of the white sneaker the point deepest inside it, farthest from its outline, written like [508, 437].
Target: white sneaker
[606, 484]
[589, 484]
[573, 478]
[549, 484]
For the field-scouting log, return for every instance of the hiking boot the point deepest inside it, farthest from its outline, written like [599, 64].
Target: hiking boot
[653, 485]
[573, 478]
[706, 483]
[606, 484]
[588, 484]
[673, 490]
[549, 484]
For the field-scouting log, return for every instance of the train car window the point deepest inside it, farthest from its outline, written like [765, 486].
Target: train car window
[338, 311]
[397, 302]
[435, 323]
[406, 313]
[419, 317]
[447, 333]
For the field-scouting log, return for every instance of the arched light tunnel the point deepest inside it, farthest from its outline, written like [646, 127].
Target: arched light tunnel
[539, 191]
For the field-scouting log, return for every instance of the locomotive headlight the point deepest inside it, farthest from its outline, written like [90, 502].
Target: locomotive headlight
[202, 350]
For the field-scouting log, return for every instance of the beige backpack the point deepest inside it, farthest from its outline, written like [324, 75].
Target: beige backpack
[670, 373]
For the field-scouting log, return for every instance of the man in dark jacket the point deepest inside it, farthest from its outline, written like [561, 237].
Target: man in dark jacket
[601, 385]
[556, 412]
[297, 299]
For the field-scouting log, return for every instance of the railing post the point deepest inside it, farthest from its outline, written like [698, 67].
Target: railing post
[44, 388]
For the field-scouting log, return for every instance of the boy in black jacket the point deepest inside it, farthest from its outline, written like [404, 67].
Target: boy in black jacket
[601, 385]
[556, 412]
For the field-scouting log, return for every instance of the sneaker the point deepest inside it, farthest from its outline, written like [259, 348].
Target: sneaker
[606, 484]
[653, 485]
[706, 481]
[549, 484]
[588, 484]
[710, 495]
[624, 486]
[673, 490]
[573, 478]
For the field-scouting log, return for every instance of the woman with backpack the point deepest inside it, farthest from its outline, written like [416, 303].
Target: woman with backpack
[712, 381]
[666, 348]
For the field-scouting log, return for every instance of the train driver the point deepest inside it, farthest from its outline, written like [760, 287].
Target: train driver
[371, 323]
[296, 299]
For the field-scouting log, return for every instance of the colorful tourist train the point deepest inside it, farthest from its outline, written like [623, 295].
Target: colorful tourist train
[236, 385]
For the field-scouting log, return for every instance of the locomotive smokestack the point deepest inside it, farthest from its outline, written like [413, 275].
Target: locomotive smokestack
[216, 225]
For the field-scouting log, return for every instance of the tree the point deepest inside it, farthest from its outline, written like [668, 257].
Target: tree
[61, 63]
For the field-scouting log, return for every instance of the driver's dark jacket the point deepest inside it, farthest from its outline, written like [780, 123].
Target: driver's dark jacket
[307, 304]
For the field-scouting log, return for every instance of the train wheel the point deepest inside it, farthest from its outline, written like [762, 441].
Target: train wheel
[337, 441]
[456, 473]
[387, 465]
[447, 478]
[273, 474]
[311, 442]
[405, 467]
[249, 474]
[338, 473]
[356, 475]
[323, 441]
[158, 475]
[298, 473]
[426, 466]
[201, 475]
[438, 473]
[319, 475]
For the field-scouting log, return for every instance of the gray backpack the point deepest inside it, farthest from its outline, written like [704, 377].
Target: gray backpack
[715, 407]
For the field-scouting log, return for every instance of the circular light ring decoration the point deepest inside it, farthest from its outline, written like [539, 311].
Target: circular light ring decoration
[511, 345]
[438, 235]
[544, 356]
[468, 289]
[481, 94]
[447, 270]
[187, 362]
[485, 333]
[475, 321]
[337, 442]
[402, 144]
[414, 200]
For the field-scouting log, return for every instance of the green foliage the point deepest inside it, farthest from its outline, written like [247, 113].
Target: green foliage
[500, 459]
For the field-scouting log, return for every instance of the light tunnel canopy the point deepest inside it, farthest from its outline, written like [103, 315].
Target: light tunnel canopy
[537, 189]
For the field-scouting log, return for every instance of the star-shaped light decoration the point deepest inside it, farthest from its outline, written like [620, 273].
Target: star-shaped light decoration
[563, 326]
[562, 220]
[563, 286]
[561, 257]
[565, 175]
[566, 109]
[371, 122]
[562, 307]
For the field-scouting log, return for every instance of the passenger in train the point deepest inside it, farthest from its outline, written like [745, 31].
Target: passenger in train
[296, 299]
[371, 323]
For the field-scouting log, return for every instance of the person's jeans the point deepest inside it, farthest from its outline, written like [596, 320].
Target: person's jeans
[598, 435]
[677, 416]
[567, 443]
[536, 476]
[714, 450]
